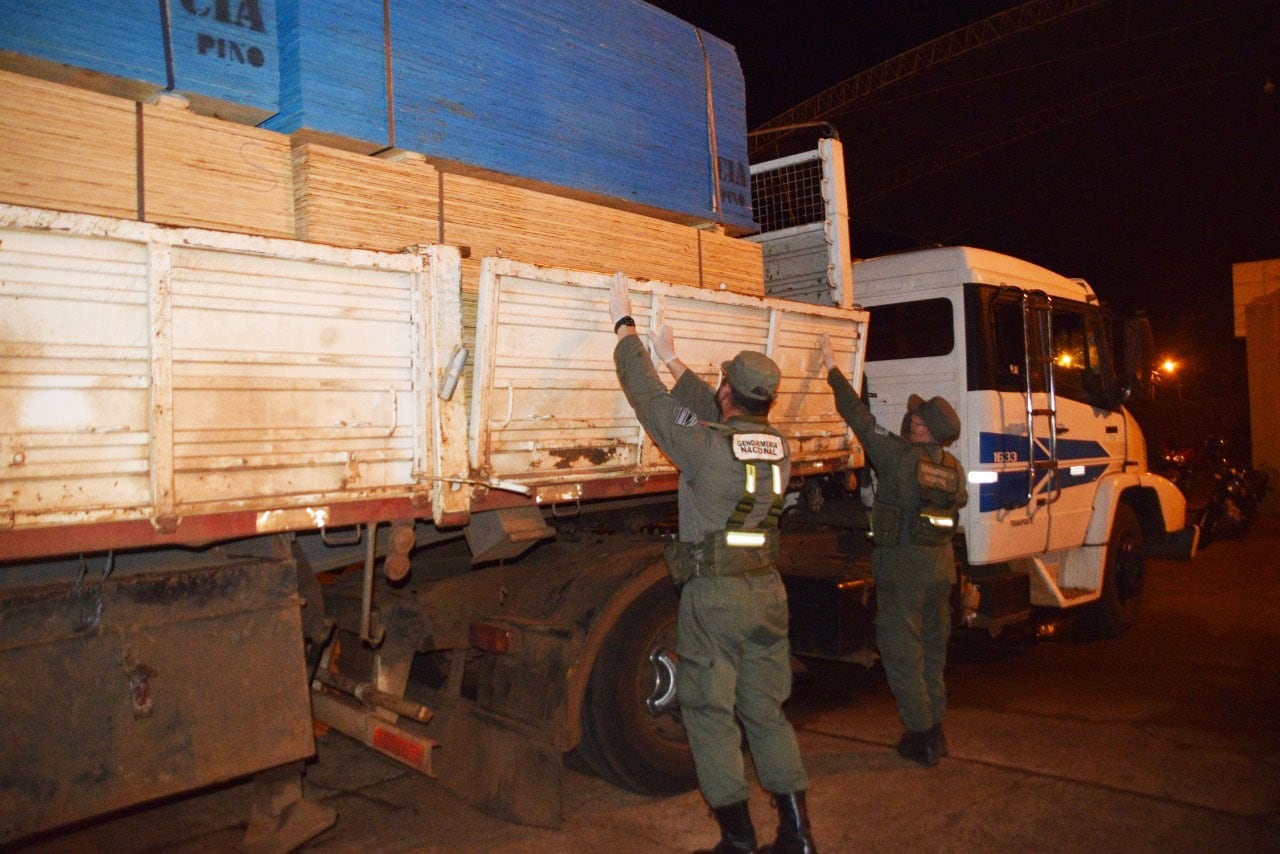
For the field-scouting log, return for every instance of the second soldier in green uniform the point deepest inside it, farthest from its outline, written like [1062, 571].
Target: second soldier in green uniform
[920, 488]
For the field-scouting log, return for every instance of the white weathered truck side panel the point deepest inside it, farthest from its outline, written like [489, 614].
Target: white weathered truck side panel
[152, 373]
[546, 405]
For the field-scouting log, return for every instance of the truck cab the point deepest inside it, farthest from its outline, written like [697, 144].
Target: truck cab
[1063, 508]
[1057, 467]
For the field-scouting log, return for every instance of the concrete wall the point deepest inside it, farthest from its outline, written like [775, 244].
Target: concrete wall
[1262, 324]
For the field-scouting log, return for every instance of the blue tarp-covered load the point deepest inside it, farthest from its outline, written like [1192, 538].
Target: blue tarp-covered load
[224, 54]
[611, 99]
[608, 97]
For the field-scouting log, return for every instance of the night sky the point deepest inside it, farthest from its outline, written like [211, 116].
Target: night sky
[1134, 144]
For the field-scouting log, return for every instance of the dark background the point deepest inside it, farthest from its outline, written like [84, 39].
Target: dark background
[1131, 143]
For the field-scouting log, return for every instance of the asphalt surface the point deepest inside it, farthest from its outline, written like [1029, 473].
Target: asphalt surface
[1165, 739]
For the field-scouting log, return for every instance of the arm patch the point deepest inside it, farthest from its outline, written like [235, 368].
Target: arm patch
[685, 417]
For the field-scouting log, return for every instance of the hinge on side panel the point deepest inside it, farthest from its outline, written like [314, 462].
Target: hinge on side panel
[166, 523]
[7, 517]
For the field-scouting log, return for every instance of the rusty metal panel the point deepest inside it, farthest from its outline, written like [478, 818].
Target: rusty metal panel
[546, 405]
[155, 373]
[74, 397]
[116, 691]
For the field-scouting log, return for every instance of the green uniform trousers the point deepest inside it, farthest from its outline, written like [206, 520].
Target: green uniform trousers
[731, 636]
[913, 623]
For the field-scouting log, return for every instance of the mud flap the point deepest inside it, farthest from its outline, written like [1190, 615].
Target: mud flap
[144, 685]
[506, 768]
[280, 819]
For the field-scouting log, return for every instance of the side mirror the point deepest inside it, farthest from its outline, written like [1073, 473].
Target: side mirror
[1139, 351]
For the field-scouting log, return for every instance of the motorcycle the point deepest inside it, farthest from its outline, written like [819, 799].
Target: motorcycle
[1223, 492]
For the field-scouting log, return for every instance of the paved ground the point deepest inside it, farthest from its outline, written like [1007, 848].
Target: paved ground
[1166, 739]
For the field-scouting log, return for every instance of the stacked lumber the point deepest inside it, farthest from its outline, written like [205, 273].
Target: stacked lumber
[88, 165]
[539, 228]
[223, 57]
[614, 99]
[347, 199]
[70, 149]
[210, 173]
[370, 203]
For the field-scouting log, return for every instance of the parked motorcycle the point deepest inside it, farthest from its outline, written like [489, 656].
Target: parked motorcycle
[1223, 492]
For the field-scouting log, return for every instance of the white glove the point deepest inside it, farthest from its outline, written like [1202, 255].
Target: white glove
[619, 299]
[664, 343]
[828, 355]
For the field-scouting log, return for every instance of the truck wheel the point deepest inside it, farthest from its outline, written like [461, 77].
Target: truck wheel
[622, 740]
[1123, 577]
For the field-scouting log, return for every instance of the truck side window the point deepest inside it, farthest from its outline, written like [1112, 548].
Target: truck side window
[1071, 354]
[1009, 366]
[1081, 369]
[910, 330]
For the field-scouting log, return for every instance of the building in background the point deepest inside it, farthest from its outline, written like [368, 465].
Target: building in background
[1256, 286]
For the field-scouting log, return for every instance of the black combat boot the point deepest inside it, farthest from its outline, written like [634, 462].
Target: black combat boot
[793, 826]
[918, 747]
[736, 831]
[939, 739]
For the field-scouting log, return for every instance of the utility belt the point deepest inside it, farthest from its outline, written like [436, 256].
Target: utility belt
[724, 554]
[892, 525]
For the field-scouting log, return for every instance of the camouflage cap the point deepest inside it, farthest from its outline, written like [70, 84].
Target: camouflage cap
[753, 375]
[938, 415]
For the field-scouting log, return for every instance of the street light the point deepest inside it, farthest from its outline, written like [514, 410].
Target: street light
[1166, 371]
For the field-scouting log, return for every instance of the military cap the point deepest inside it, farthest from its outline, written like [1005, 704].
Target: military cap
[752, 375]
[938, 415]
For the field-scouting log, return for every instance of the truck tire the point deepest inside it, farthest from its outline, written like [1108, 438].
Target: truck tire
[1123, 577]
[622, 742]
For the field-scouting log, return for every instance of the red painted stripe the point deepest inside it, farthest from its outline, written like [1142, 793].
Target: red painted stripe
[402, 748]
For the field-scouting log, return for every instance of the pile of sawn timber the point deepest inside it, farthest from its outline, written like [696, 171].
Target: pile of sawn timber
[74, 150]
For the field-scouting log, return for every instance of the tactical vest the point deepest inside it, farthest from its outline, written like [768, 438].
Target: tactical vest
[748, 544]
[927, 512]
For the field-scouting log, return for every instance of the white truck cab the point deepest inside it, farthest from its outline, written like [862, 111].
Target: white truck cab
[1060, 493]
[1062, 505]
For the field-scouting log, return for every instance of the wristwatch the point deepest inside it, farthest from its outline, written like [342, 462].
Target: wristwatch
[625, 320]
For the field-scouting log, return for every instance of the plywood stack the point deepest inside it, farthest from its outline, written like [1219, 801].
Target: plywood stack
[615, 99]
[372, 203]
[222, 56]
[69, 149]
[215, 174]
[88, 165]
[347, 199]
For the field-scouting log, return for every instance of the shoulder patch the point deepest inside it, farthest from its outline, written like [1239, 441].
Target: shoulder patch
[882, 430]
[758, 446]
[685, 417]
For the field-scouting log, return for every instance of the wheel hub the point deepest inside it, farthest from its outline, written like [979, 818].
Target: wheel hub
[663, 697]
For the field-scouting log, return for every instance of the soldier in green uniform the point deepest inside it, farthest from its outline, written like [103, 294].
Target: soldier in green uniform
[913, 519]
[731, 632]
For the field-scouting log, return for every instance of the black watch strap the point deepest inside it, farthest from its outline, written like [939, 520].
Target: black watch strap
[625, 320]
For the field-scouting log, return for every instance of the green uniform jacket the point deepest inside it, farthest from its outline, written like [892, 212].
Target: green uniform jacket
[711, 480]
[893, 457]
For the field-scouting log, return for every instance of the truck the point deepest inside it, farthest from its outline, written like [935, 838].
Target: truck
[250, 482]
[247, 481]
